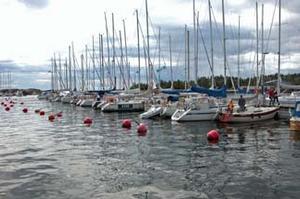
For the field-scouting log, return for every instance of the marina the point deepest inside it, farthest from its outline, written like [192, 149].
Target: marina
[149, 100]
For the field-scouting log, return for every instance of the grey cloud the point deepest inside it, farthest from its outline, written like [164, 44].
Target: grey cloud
[35, 3]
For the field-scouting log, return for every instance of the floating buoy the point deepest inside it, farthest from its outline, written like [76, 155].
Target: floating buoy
[7, 108]
[51, 117]
[142, 129]
[11, 105]
[5, 105]
[59, 114]
[22, 103]
[25, 110]
[2, 103]
[126, 123]
[37, 110]
[88, 121]
[42, 113]
[213, 135]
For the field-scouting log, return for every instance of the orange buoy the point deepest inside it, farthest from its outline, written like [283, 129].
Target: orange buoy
[51, 117]
[25, 110]
[59, 114]
[37, 110]
[126, 123]
[42, 113]
[7, 108]
[88, 121]
[213, 135]
[142, 129]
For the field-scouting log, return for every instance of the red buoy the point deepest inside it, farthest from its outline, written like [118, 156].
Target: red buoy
[42, 113]
[7, 108]
[142, 129]
[126, 123]
[37, 110]
[25, 110]
[51, 117]
[213, 135]
[88, 121]
[59, 114]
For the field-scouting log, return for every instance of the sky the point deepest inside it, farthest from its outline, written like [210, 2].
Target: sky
[33, 30]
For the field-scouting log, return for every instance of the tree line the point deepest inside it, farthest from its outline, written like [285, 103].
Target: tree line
[293, 79]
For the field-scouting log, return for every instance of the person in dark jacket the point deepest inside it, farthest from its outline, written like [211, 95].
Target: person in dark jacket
[242, 103]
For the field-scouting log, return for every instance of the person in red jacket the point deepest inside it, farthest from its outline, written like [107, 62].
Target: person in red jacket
[271, 96]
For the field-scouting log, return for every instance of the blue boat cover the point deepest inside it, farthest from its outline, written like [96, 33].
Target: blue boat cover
[210, 92]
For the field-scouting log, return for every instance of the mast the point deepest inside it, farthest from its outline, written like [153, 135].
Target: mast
[239, 48]
[102, 61]
[66, 73]
[195, 42]
[82, 72]
[185, 56]
[74, 68]
[148, 49]
[262, 46]
[122, 64]
[279, 49]
[138, 46]
[188, 57]
[211, 47]
[70, 69]
[87, 67]
[107, 43]
[171, 68]
[159, 68]
[257, 43]
[224, 44]
[114, 50]
[94, 65]
[126, 56]
[52, 77]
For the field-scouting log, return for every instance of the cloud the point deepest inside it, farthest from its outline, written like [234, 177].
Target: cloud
[35, 3]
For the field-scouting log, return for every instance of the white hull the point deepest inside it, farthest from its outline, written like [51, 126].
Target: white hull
[168, 111]
[129, 106]
[190, 115]
[66, 100]
[151, 112]
[87, 103]
[255, 114]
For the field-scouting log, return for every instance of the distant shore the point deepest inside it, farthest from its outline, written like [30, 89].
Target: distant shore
[20, 92]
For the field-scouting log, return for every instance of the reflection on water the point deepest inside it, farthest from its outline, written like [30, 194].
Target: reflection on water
[66, 159]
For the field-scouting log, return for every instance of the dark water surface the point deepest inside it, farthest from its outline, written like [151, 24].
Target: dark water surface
[65, 159]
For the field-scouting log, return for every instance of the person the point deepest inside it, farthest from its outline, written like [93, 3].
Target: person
[242, 103]
[230, 106]
[271, 96]
[276, 98]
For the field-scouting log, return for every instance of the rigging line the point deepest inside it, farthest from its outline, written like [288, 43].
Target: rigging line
[270, 30]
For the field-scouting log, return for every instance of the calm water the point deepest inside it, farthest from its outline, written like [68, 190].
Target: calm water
[65, 159]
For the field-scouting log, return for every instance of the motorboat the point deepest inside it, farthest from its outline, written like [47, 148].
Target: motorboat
[200, 108]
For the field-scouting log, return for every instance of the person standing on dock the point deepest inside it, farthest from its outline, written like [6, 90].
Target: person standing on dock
[271, 96]
[242, 103]
[276, 98]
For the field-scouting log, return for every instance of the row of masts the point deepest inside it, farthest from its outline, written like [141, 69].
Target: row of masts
[100, 71]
